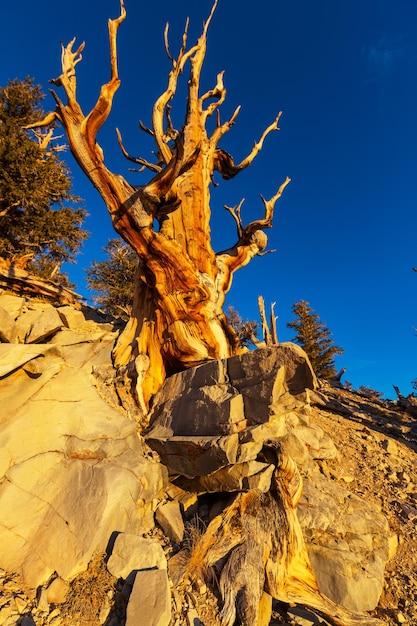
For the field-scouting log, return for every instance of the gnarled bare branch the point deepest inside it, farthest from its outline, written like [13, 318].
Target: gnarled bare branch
[245, 233]
[266, 221]
[235, 212]
[218, 92]
[270, 204]
[223, 162]
[146, 129]
[102, 108]
[50, 118]
[145, 164]
[258, 144]
[218, 133]
[252, 241]
[67, 79]
[159, 108]
[161, 184]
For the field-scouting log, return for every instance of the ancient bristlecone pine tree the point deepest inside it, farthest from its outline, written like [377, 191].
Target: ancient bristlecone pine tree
[177, 319]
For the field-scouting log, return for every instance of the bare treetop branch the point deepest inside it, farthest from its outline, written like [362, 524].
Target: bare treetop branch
[67, 79]
[235, 212]
[102, 108]
[218, 92]
[138, 160]
[259, 144]
[210, 17]
[223, 161]
[270, 204]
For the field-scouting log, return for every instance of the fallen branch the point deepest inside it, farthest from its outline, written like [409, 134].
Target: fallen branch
[26, 284]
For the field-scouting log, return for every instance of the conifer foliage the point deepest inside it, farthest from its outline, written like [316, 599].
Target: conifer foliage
[40, 220]
[315, 338]
[112, 279]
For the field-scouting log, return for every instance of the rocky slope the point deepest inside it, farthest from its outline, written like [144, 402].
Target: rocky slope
[90, 519]
[377, 444]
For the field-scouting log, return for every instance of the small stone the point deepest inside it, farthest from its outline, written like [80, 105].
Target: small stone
[21, 604]
[150, 600]
[169, 518]
[408, 511]
[12, 304]
[43, 605]
[390, 446]
[36, 326]
[72, 318]
[400, 618]
[392, 546]
[57, 591]
[6, 326]
[131, 553]
[404, 477]
[188, 501]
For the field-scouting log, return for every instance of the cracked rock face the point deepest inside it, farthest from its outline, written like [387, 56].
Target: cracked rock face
[209, 424]
[219, 414]
[73, 469]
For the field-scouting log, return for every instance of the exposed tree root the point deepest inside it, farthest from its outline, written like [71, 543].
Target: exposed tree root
[255, 546]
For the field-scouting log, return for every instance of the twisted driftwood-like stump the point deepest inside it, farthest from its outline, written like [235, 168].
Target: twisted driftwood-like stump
[255, 550]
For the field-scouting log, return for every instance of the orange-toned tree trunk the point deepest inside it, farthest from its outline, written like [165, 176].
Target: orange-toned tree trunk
[177, 318]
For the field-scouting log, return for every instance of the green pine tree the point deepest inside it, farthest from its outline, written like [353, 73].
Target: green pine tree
[39, 216]
[315, 338]
[112, 280]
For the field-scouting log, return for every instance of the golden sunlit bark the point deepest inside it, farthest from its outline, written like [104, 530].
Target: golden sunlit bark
[256, 545]
[177, 319]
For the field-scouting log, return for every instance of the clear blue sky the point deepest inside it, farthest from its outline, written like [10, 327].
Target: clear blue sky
[344, 72]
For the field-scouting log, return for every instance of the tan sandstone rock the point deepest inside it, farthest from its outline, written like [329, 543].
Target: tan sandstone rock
[348, 543]
[150, 600]
[131, 553]
[72, 468]
[168, 516]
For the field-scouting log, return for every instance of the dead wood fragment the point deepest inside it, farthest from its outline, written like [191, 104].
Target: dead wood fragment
[409, 403]
[26, 284]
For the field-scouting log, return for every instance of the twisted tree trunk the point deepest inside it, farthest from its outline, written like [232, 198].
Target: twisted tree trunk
[177, 318]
